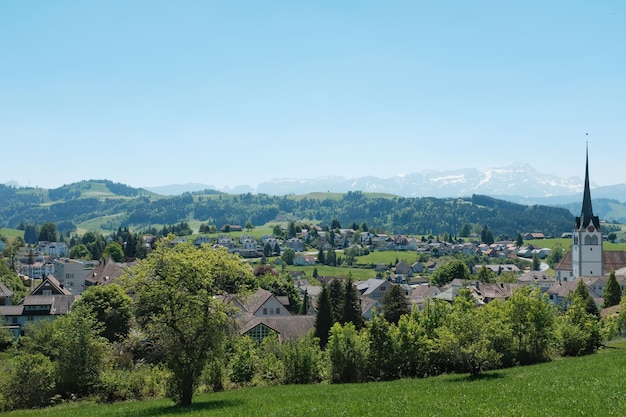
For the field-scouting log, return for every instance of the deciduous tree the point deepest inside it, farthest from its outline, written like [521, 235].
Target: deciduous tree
[174, 292]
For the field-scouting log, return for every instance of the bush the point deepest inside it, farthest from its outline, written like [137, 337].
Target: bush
[302, 361]
[28, 381]
[137, 384]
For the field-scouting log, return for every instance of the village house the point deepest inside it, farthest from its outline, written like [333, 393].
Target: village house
[47, 301]
[304, 260]
[71, 273]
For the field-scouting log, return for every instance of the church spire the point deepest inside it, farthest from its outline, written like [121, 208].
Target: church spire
[586, 215]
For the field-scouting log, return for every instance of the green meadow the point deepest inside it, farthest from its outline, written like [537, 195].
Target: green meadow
[593, 385]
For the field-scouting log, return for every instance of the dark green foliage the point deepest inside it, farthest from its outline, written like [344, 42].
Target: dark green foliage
[351, 306]
[612, 292]
[486, 236]
[395, 304]
[281, 285]
[336, 294]
[48, 232]
[455, 269]
[111, 308]
[583, 292]
[324, 319]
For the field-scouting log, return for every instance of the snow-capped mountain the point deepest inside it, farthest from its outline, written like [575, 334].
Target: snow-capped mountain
[520, 179]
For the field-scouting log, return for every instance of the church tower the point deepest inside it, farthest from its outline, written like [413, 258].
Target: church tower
[587, 237]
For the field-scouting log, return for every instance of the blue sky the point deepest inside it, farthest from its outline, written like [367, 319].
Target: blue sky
[237, 92]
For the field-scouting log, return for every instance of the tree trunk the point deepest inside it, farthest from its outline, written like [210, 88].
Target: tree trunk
[186, 390]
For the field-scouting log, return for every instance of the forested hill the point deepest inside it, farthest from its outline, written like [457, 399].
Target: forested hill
[138, 209]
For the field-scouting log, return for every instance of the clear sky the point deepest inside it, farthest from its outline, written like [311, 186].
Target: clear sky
[225, 93]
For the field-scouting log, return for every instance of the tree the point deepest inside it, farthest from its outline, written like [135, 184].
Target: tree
[519, 242]
[324, 317]
[291, 230]
[288, 255]
[336, 293]
[536, 262]
[249, 225]
[395, 304]
[485, 274]
[267, 249]
[455, 269]
[351, 311]
[111, 306]
[80, 251]
[320, 256]
[79, 351]
[48, 232]
[113, 251]
[612, 237]
[556, 254]
[612, 292]
[466, 230]
[174, 291]
[583, 292]
[486, 236]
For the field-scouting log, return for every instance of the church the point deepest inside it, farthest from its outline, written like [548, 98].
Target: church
[587, 258]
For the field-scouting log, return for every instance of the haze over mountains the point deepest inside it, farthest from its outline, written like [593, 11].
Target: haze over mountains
[518, 183]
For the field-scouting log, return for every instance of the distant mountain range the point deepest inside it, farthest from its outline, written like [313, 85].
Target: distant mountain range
[520, 183]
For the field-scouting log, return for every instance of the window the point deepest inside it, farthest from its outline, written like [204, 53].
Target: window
[259, 332]
[265, 311]
[587, 240]
[46, 292]
[277, 310]
[594, 240]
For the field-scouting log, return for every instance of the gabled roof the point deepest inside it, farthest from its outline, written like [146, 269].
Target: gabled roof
[59, 304]
[253, 302]
[611, 261]
[51, 283]
[5, 291]
[287, 327]
[105, 272]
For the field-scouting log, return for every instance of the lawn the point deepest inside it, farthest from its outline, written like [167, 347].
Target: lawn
[594, 385]
[11, 233]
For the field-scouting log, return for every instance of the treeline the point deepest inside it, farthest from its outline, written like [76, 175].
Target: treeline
[397, 215]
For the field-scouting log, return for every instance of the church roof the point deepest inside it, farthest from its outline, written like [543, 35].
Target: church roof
[611, 261]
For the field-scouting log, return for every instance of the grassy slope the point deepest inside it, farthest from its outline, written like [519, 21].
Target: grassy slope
[587, 386]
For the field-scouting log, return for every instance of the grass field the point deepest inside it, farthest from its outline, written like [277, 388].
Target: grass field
[11, 233]
[594, 385]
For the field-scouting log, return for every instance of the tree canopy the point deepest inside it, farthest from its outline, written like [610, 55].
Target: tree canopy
[174, 291]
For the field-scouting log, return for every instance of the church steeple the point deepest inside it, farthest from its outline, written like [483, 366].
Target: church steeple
[586, 214]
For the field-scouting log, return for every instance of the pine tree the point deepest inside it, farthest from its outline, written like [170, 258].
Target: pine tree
[324, 318]
[395, 304]
[351, 306]
[320, 257]
[337, 295]
[612, 292]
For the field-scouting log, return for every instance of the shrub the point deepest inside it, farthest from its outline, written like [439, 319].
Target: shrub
[28, 382]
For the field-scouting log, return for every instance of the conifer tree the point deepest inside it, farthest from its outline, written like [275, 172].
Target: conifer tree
[336, 294]
[324, 318]
[351, 306]
[612, 292]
